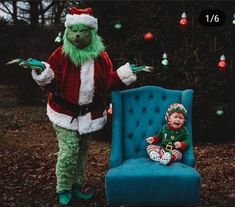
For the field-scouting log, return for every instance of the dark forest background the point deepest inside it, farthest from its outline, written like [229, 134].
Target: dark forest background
[193, 52]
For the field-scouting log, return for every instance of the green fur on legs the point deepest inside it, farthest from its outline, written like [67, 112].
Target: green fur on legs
[73, 149]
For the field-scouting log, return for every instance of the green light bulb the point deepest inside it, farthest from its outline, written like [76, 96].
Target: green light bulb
[219, 112]
[165, 62]
[118, 26]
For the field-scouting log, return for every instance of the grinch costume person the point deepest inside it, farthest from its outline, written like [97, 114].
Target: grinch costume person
[172, 139]
[78, 75]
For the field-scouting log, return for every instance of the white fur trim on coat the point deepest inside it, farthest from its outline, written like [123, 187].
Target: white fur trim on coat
[72, 19]
[87, 87]
[83, 124]
[126, 74]
[45, 77]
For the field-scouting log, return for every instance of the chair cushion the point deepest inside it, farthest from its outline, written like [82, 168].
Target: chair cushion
[140, 179]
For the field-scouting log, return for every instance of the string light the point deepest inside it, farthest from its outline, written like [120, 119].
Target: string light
[233, 19]
[222, 65]
[183, 21]
[164, 60]
[110, 110]
[58, 39]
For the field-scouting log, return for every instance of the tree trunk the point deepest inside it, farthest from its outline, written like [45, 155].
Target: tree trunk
[59, 7]
[42, 14]
[14, 14]
[34, 13]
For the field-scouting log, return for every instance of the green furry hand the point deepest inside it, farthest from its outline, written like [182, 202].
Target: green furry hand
[137, 69]
[30, 63]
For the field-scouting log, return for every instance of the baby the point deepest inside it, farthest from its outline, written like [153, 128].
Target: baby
[172, 139]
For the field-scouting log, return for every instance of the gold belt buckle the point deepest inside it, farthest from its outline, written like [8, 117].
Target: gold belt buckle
[169, 147]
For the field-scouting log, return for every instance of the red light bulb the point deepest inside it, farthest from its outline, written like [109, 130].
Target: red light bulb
[183, 22]
[148, 36]
[222, 65]
[110, 110]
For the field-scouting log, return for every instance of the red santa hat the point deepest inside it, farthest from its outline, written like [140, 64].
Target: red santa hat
[81, 16]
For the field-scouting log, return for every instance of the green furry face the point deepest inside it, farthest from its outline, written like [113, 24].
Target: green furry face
[79, 35]
[86, 46]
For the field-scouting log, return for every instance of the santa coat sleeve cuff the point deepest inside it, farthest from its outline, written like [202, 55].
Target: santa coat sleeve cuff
[45, 77]
[126, 74]
[155, 139]
[183, 145]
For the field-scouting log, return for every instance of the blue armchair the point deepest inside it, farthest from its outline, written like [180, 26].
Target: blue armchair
[134, 179]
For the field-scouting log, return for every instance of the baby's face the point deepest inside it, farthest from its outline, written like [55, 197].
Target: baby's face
[176, 120]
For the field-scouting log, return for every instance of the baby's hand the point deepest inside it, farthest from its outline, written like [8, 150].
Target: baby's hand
[177, 145]
[150, 140]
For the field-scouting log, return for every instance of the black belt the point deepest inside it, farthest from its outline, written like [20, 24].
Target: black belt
[169, 147]
[79, 110]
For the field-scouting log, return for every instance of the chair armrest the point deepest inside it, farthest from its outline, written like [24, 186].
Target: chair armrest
[189, 159]
[116, 153]
[186, 100]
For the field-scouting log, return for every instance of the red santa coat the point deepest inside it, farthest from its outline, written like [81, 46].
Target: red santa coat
[83, 85]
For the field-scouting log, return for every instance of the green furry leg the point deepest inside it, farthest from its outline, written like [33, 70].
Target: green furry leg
[72, 155]
[82, 157]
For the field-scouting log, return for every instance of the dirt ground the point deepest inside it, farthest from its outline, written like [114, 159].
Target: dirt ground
[28, 151]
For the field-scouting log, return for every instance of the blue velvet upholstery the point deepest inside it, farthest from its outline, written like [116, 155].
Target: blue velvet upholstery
[132, 178]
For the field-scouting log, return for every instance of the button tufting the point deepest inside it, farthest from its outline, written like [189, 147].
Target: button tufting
[157, 110]
[137, 123]
[137, 149]
[130, 111]
[150, 122]
[144, 109]
[130, 136]
[143, 135]
[137, 98]
[163, 97]
[151, 96]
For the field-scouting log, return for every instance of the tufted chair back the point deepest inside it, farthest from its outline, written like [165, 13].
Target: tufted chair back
[139, 113]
